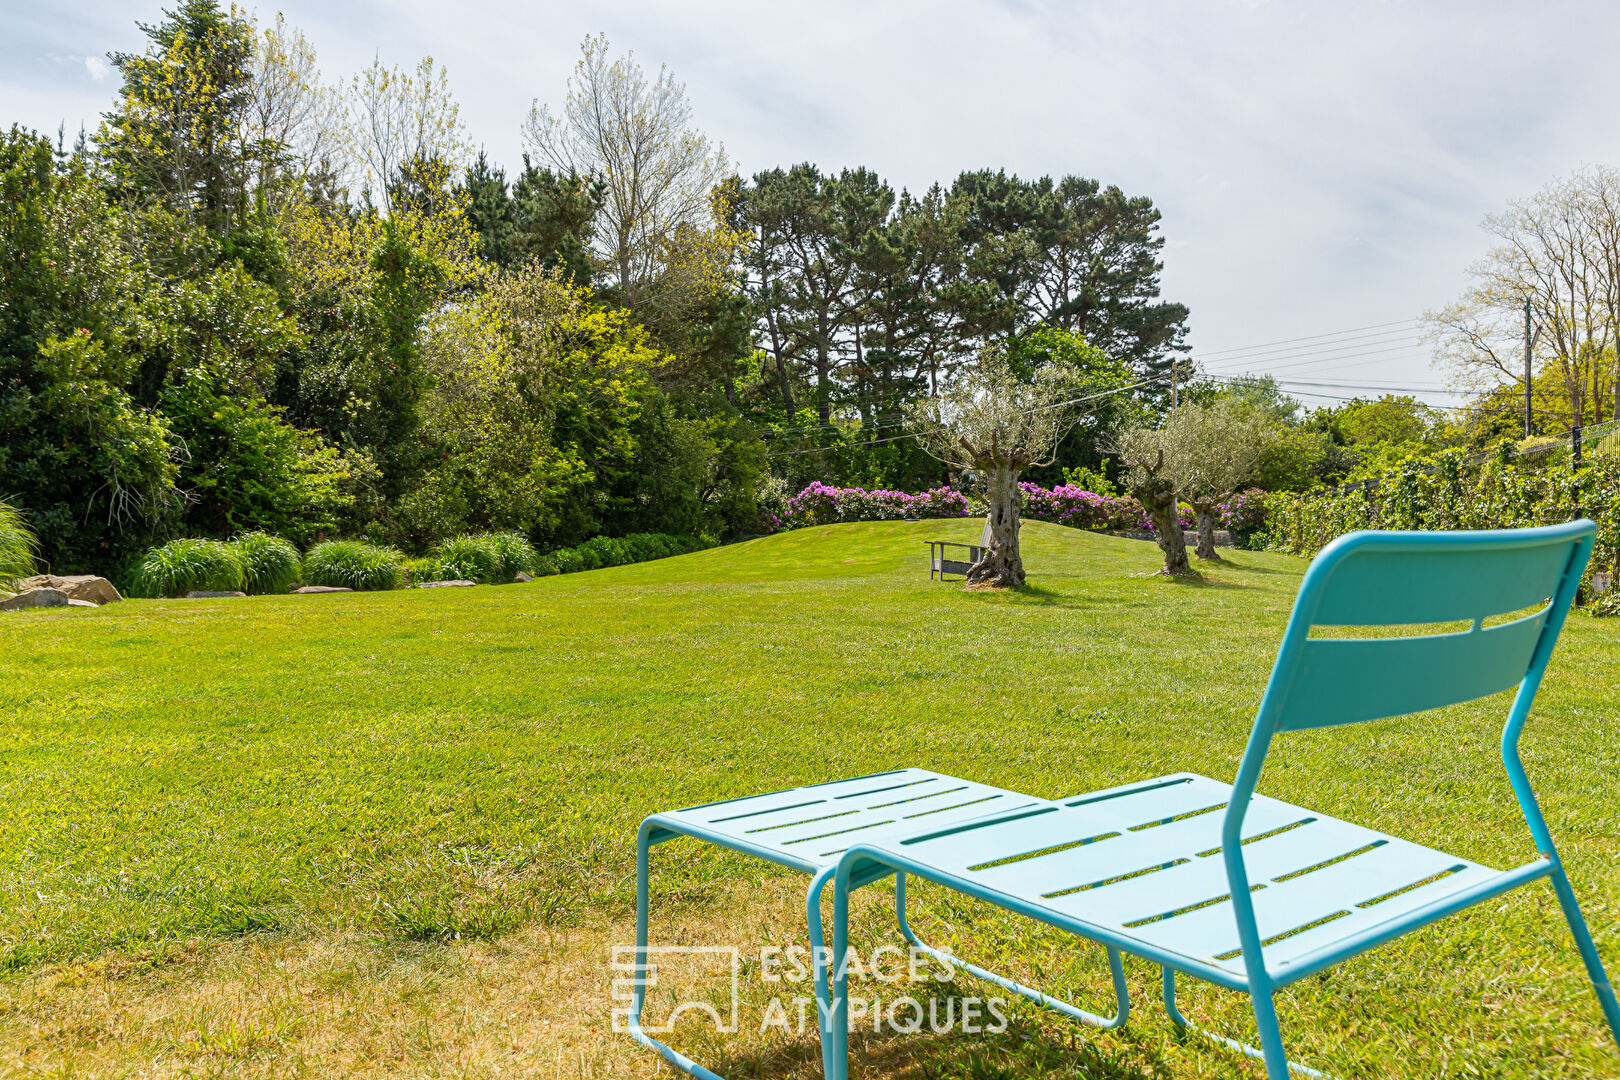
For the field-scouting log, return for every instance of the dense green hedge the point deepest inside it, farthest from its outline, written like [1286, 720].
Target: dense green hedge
[1449, 493]
[618, 550]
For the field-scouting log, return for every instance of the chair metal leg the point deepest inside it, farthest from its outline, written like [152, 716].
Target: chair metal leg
[818, 965]
[1122, 997]
[1588, 950]
[1270, 1050]
[639, 993]
[835, 1029]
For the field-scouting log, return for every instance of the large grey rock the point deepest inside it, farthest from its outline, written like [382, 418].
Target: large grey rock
[445, 584]
[204, 594]
[97, 590]
[33, 598]
[521, 576]
[82, 603]
[309, 590]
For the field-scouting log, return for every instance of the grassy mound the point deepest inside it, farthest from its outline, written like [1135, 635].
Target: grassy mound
[450, 765]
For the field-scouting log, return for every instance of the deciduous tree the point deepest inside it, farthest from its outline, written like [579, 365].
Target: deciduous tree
[661, 238]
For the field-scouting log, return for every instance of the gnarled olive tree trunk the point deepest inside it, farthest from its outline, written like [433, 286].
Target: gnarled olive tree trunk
[1157, 494]
[1001, 565]
[1205, 509]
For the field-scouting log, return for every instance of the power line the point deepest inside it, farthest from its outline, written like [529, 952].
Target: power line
[1310, 337]
[1403, 389]
[913, 435]
[1325, 354]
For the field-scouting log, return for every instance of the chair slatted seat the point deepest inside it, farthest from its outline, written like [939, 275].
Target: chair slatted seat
[1144, 872]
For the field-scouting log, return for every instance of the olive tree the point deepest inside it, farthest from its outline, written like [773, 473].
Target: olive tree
[1153, 483]
[997, 419]
[1211, 451]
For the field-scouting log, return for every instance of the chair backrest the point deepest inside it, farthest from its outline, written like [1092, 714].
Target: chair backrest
[1409, 579]
[1406, 578]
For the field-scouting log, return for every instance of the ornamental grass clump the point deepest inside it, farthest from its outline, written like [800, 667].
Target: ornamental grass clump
[269, 563]
[354, 564]
[17, 546]
[487, 558]
[183, 566]
[517, 555]
[470, 558]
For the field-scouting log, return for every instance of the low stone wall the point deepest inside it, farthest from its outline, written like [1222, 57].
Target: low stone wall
[1223, 537]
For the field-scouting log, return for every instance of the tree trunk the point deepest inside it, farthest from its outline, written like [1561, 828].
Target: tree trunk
[1001, 566]
[1205, 509]
[1157, 495]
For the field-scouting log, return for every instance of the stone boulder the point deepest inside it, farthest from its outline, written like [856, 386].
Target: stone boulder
[457, 584]
[33, 598]
[522, 577]
[204, 594]
[97, 590]
[310, 590]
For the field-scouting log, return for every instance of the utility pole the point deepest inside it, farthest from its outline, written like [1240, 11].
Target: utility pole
[1173, 400]
[1529, 344]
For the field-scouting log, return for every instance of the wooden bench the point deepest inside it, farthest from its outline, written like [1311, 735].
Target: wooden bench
[940, 563]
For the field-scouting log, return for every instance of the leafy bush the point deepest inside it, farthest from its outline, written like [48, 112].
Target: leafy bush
[646, 546]
[181, 566]
[17, 545]
[269, 563]
[1088, 479]
[426, 568]
[603, 551]
[607, 551]
[354, 564]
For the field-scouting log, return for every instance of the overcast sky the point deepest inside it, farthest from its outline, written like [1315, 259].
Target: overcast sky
[1320, 166]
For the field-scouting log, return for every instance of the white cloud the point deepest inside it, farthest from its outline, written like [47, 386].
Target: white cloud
[1319, 166]
[97, 67]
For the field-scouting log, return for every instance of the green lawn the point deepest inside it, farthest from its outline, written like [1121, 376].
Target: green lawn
[420, 770]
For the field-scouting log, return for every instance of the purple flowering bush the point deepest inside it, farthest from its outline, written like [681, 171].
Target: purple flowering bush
[1078, 508]
[1245, 511]
[1066, 504]
[822, 504]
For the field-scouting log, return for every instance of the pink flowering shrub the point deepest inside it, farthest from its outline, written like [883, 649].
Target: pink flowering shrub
[1245, 511]
[1067, 504]
[1082, 509]
[821, 504]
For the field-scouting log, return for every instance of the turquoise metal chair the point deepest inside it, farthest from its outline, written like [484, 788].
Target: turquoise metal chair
[1212, 881]
[807, 829]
